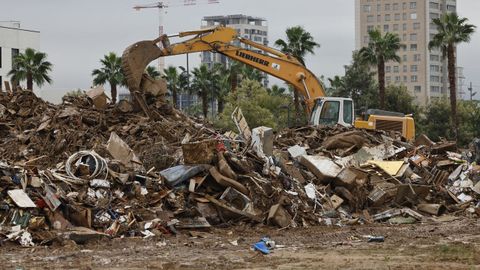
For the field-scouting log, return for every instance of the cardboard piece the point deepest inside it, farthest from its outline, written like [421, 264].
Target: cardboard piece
[122, 152]
[97, 95]
[21, 198]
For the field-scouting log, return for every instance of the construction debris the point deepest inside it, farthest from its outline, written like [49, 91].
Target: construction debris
[75, 171]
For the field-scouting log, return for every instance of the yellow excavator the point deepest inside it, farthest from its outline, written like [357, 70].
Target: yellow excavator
[321, 109]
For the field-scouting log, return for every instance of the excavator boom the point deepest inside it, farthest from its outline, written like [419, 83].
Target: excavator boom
[221, 40]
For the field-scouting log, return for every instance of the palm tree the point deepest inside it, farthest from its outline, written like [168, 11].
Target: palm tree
[276, 90]
[299, 43]
[110, 72]
[31, 66]
[172, 78]
[152, 72]
[452, 30]
[250, 73]
[222, 84]
[380, 50]
[201, 84]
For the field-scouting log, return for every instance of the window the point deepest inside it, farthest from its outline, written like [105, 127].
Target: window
[434, 57]
[404, 5]
[387, 17]
[413, 5]
[395, 27]
[379, 7]
[387, 7]
[386, 28]
[379, 18]
[405, 68]
[369, 18]
[397, 79]
[434, 68]
[404, 27]
[435, 89]
[404, 16]
[413, 47]
[413, 16]
[246, 31]
[451, 8]
[416, 26]
[388, 69]
[348, 111]
[404, 37]
[413, 37]
[396, 70]
[15, 53]
[395, 6]
[370, 28]
[414, 78]
[330, 112]
[413, 68]
[388, 79]
[435, 78]
[405, 78]
[367, 8]
[404, 58]
[397, 17]
[434, 15]
[417, 88]
[433, 5]
[416, 58]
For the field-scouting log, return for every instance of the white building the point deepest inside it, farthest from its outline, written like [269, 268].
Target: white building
[14, 40]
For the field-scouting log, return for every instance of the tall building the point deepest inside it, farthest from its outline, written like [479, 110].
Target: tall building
[14, 40]
[423, 72]
[253, 28]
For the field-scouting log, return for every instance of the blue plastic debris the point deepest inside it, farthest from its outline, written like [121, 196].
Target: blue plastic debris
[177, 175]
[264, 245]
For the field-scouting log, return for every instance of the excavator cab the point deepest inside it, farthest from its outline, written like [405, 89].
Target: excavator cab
[333, 110]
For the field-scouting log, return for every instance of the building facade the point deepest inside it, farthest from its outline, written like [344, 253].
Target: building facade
[252, 28]
[422, 71]
[13, 40]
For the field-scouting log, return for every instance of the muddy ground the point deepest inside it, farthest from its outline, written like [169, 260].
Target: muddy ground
[445, 245]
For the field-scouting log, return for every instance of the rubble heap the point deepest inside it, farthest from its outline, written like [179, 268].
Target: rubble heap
[77, 172]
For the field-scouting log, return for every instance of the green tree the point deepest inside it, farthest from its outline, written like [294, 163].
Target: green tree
[111, 72]
[201, 85]
[398, 99]
[152, 72]
[31, 66]
[380, 50]
[358, 83]
[452, 30]
[173, 79]
[250, 96]
[299, 44]
[250, 73]
[276, 90]
[221, 84]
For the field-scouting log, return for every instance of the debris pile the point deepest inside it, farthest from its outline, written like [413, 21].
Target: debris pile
[83, 171]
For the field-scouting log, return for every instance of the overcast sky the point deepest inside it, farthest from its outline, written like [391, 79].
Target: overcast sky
[76, 34]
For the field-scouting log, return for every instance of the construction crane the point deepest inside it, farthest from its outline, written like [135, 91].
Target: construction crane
[162, 6]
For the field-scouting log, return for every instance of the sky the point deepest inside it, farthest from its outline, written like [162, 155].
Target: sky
[76, 34]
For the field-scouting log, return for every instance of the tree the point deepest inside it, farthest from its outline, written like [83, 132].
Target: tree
[221, 84]
[173, 79]
[31, 66]
[250, 96]
[398, 99]
[111, 72]
[380, 50]
[452, 30]
[201, 84]
[299, 43]
[276, 90]
[358, 83]
[152, 72]
[250, 73]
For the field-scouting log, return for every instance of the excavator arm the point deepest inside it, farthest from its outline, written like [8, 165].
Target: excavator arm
[223, 40]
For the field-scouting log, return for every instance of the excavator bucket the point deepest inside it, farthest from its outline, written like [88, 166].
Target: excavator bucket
[135, 60]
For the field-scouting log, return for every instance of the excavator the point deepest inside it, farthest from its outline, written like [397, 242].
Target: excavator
[322, 110]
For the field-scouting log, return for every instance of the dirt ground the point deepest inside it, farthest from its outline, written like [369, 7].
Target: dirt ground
[446, 245]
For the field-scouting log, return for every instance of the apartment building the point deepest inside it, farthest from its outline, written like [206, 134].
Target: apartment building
[13, 40]
[423, 72]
